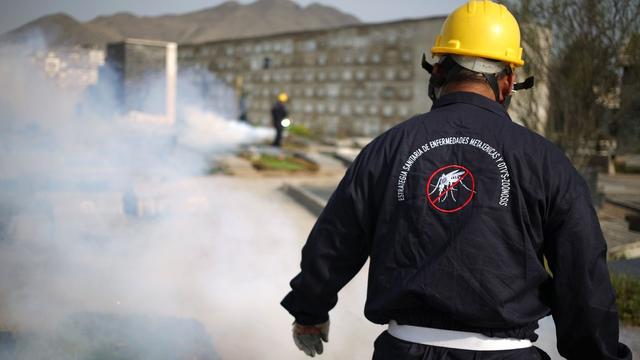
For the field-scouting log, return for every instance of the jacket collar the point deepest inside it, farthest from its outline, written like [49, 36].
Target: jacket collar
[472, 99]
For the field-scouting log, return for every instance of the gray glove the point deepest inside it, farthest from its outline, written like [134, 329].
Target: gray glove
[309, 338]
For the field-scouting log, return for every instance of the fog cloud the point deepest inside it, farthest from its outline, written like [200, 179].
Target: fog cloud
[109, 227]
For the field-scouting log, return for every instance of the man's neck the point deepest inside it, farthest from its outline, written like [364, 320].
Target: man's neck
[477, 88]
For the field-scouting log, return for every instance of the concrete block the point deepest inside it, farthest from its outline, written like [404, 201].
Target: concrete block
[307, 199]
[634, 222]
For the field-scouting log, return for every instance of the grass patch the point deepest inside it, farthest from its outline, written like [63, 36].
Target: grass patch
[219, 169]
[628, 296]
[284, 163]
[300, 130]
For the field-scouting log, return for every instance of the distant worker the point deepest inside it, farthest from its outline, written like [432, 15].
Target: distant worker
[456, 209]
[278, 114]
[243, 107]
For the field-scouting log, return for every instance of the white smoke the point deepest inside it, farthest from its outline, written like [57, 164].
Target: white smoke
[202, 126]
[111, 226]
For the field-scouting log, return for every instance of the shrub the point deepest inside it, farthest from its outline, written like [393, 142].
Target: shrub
[300, 130]
[628, 295]
[285, 163]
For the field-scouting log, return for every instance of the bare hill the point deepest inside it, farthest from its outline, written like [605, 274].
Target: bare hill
[56, 30]
[227, 20]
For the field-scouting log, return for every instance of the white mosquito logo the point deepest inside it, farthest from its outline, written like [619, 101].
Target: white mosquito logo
[447, 183]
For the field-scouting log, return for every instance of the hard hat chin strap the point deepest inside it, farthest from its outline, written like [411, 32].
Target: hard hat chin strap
[526, 84]
[492, 80]
[436, 81]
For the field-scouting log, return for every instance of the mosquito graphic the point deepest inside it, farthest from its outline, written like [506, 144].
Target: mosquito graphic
[446, 184]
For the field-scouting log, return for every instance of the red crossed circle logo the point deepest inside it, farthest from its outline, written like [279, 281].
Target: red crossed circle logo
[450, 188]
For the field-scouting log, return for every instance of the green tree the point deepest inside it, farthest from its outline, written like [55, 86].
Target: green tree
[577, 46]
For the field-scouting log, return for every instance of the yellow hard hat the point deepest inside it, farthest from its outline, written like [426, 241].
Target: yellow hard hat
[283, 97]
[481, 28]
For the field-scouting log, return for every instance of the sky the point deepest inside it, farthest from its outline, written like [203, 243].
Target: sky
[14, 13]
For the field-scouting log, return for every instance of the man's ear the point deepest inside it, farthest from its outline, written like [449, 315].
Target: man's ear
[506, 85]
[438, 70]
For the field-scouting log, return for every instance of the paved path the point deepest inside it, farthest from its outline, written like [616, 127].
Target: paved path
[249, 323]
[631, 337]
[219, 249]
[620, 184]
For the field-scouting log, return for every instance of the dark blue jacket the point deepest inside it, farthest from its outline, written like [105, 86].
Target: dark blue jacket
[278, 113]
[456, 209]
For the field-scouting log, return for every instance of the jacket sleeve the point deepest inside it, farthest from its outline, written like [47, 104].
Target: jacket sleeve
[583, 301]
[335, 251]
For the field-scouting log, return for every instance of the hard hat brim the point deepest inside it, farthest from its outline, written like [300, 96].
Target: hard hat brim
[446, 50]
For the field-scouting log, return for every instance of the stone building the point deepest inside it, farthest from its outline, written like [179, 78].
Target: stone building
[356, 80]
[71, 67]
[145, 74]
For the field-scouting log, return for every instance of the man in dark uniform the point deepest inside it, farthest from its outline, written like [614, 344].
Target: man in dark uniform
[456, 209]
[278, 114]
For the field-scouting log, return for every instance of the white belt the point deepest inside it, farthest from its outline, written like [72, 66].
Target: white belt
[454, 339]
